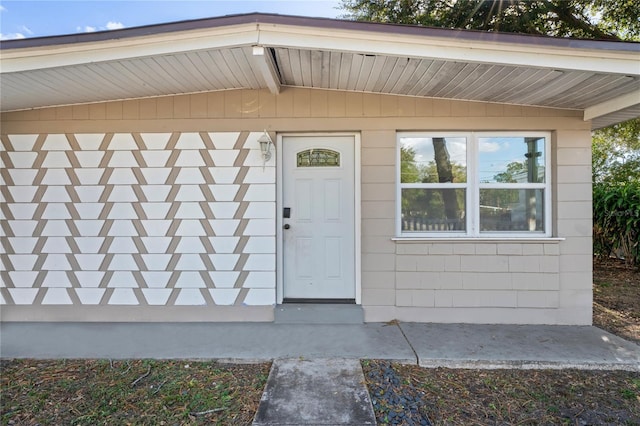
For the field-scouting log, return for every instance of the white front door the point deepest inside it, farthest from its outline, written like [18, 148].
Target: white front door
[319, 233]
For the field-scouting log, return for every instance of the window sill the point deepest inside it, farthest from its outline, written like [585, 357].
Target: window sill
[518, 240]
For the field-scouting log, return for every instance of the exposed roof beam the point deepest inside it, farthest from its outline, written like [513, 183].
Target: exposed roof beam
[267, 67]
[612, 105]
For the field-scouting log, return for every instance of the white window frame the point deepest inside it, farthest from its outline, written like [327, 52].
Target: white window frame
[473, 186]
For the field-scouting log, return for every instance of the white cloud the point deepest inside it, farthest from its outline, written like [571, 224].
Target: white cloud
[2, 8]
[114, 25]
[11, 36]
[489, 146]
[109, 26]
[457, 151]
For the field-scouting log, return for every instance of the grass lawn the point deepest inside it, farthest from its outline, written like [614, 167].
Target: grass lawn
[141, 392]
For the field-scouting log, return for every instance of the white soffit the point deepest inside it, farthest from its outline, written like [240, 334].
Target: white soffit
[270, 51]
[616, 117]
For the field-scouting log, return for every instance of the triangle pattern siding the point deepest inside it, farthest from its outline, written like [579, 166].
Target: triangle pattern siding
[136, 219]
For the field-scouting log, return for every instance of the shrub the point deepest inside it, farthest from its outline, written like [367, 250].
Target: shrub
[616, 221]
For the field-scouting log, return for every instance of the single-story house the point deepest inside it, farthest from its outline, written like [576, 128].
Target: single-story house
[213, 170]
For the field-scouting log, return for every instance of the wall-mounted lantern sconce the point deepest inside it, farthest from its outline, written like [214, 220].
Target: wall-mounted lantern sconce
[265, 146]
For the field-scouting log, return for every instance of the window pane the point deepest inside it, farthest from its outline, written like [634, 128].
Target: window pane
[520, 210]
[433, 210]
[511, 160]
[433, 160]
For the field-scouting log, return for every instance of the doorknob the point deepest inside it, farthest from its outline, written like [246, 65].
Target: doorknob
[286, 226]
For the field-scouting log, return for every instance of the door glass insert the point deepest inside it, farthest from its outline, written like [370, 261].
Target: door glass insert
[318, 157]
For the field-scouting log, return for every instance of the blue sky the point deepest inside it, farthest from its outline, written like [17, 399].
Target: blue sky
[25, 18]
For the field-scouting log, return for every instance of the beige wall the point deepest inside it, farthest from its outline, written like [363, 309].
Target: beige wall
[444, 281]
[480, 281]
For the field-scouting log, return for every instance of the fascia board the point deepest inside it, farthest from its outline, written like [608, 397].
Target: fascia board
[300, 37]
[590, 60]
[28, 59]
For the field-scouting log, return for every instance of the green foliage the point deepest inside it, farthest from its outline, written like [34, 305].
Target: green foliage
[409, 169]
[428, 203]
[616, 153]
[513, 169]
[601, 19]
[616, 220]
[616, 191]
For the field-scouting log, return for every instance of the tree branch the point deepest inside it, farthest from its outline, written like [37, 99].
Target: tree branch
[565, 14]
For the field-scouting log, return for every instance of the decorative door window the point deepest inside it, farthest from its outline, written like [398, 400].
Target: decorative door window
[318, 157]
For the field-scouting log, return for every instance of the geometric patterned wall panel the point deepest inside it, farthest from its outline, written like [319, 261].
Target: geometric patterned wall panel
[149, 219]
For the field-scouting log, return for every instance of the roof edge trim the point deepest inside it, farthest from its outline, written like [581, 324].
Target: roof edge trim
[327, 23]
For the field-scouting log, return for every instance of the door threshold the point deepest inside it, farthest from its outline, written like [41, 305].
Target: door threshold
[316, 301]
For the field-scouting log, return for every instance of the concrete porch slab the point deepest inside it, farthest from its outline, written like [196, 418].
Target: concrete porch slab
[227, 341]
[520, 346]
[446, 345]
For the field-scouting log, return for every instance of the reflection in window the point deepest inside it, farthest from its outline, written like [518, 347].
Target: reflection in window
[503, 163]
[511, 160]
[433, 176]
[318, 157]
[511, 210]
[425, 210]
[473, 184]
[433, 160]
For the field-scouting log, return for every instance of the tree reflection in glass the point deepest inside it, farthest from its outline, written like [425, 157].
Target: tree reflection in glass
[438, 206]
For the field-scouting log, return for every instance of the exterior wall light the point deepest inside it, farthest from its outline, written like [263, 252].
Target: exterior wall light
[265, 146]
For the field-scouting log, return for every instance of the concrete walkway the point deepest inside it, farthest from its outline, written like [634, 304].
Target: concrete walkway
[432, 345]
[315, 392]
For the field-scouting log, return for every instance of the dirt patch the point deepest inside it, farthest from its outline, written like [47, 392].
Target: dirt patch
[413, 395]
[141, 392]
[616, 298]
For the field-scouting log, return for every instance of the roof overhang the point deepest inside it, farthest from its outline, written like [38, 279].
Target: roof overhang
[600, 78]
